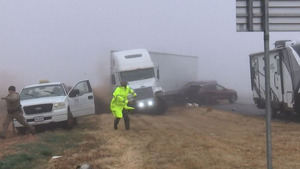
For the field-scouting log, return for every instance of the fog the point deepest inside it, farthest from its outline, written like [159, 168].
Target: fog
[70, 40]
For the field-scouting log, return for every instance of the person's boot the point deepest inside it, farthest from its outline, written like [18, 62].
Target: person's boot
[2, 136]
[116, 121]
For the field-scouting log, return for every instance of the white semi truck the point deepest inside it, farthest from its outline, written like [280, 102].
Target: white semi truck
[152, 74]
[284, 77]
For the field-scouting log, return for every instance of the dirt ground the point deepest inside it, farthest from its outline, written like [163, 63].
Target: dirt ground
[184, 138]
[12, 139]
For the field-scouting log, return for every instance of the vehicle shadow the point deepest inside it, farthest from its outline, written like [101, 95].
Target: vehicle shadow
[50, 127]
[287, 117]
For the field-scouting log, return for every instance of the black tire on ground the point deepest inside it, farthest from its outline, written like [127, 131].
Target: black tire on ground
[260, 104]
[297, 103]
[275, 113]
[288, 113]
[162, 106]
[75, 121]
[21, 130]
[69, 124]
[276, 109]
[232, 99]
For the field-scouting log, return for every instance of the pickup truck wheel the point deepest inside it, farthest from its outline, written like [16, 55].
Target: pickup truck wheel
[232, 99]
[21, 130]
[69, 124]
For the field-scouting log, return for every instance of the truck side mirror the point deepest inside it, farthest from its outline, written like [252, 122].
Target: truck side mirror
[74, 93]
[158, 76]
[113, 79]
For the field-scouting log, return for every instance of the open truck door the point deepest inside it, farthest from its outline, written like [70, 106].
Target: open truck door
[81, 99]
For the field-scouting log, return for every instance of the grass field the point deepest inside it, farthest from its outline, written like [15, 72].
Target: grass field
[183, 138]
[36, 151]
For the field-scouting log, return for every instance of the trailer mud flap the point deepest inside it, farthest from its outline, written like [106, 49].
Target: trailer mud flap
[297, 103]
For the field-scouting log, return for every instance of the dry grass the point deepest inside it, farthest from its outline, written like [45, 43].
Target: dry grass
[184, 139]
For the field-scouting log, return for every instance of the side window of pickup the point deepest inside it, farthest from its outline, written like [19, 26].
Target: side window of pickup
[220, 88]
[83, 88]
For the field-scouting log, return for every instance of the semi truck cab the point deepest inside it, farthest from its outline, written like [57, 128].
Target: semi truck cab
[136, 67]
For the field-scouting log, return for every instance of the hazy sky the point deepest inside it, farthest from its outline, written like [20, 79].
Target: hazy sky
[69, 40]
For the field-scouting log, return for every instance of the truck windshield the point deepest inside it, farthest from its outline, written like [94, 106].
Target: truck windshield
[139, 74]
[42, 91]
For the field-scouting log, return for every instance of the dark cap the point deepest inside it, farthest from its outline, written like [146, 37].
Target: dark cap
[12, 88]
[124, 83]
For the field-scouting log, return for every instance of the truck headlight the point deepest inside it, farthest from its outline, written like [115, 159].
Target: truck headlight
[141, 105]
[60, 105]
[150, 103]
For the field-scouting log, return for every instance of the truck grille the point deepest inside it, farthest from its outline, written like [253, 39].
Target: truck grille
[36, 109]
[144, 93]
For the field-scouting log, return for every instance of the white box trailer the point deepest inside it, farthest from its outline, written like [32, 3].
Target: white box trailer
[175, 70]
[284, 78]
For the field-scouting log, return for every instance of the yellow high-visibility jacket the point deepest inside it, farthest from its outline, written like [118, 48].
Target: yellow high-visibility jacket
[120, 101]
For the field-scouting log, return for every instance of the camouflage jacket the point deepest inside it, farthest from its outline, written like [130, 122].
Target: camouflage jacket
[13, 102]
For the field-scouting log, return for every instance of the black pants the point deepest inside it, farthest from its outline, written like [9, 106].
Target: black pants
[126, 120]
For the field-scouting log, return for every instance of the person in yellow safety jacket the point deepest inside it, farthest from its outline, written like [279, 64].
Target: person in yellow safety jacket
[118, 105]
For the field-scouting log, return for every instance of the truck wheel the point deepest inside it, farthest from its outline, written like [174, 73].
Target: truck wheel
[232, 99]
[260, 104]
[69, 124]
[21, 130]
[275, 113]
[162, 106]
[288, 114]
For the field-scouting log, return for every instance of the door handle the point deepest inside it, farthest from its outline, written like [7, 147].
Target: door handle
[90, 97]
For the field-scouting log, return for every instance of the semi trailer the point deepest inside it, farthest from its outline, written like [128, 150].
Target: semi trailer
[284, 77]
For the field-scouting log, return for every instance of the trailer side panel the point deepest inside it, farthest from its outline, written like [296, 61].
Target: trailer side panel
[175, 70]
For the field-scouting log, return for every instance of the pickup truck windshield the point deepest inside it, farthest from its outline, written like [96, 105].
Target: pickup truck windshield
[42, 91]
[139, 74]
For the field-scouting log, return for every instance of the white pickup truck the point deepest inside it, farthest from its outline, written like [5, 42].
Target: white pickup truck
[52, 102]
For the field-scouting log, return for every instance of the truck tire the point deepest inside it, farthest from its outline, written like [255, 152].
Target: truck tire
[162, 106]
[260, 104]
[274, 114]
[69, 124]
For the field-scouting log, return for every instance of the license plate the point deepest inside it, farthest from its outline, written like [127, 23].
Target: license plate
[38, 119]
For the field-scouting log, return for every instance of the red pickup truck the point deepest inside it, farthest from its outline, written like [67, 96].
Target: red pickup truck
[207, 93]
